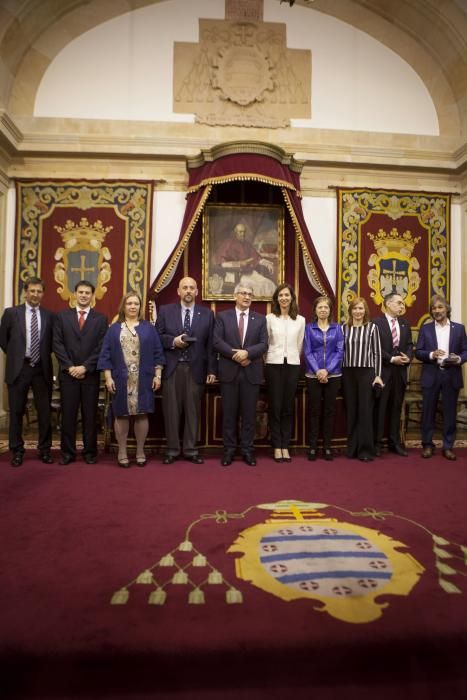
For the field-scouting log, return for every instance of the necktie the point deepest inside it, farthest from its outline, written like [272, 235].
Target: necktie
[241, 327]
[395, 341]
[35, 349]
[186, 329]
[82, 319]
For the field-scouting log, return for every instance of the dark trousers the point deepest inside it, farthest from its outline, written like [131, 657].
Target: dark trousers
[181, 395]
[75, 395]
[281, 381]
[322, 404]
[430, 398]
[390, 405]
[239, 402]
[357, 385]
[29, 378]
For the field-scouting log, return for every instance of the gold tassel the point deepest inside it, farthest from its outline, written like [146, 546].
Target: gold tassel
[233, 596]
[168, 560]
[185, 546]
[180, 577]
[196, 597]
[199, 560]
[157, 597]
[215, 577]
[120, 597]
[145, 577]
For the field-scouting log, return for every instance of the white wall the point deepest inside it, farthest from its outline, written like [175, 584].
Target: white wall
[122, 69]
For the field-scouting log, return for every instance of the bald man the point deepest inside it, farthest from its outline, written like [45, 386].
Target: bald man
[189, 367]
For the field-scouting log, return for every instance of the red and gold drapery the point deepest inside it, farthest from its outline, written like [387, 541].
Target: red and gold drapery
[250, 162]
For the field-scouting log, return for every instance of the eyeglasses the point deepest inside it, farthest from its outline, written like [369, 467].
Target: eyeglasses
[246, 294]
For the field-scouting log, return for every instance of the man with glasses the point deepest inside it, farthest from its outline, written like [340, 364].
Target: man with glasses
[240, 338]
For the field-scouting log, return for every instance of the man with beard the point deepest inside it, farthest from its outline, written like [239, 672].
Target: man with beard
[186, 332]
[442, 347]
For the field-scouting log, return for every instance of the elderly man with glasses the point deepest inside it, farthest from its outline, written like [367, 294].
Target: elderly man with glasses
[241, 339]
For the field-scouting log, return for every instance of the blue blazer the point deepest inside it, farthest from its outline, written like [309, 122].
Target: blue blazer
[201, 353]
[227, 338]
[427, 343]
[151, 355]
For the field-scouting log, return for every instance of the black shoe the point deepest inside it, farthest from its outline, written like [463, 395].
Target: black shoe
[46, 458]
[328, 456]
[227, 459]
[278, 459]
[311, 455]
[377, 451]
[366, 459]
[66, 459]
[17, 459]
[249, 459]
[399, 450]
[141, 462]
[89, 459]
[123, 463]
[195, 459]
[169, 459]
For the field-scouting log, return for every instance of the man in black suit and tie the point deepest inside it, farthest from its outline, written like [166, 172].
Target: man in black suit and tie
[241, 339]
[189, 367]
[397, 351]
[77, 341]
[26, 338]
[442, 347]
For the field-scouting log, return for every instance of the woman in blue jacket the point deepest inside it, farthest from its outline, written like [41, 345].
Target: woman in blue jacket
[324, 352]
[132, 359]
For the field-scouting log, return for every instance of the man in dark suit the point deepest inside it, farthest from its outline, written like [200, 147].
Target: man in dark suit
[442, 347]
[189, 367]
[26, 338]
[397, 351]
[241, 339]
[77, 341]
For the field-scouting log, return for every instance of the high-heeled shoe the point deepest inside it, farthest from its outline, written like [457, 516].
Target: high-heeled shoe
[278, 455]
[311, 454]
[287, 457]
[328, 456]
[141, 461]
[124, 463]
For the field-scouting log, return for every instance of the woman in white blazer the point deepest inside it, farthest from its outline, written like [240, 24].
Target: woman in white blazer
[286, 329]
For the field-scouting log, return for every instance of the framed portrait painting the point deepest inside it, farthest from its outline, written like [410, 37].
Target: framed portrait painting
[242, 244]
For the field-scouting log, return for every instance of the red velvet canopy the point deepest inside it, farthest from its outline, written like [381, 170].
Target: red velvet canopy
[259, 166]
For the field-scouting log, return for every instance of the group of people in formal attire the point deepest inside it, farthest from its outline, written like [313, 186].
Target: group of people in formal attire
[188, 347]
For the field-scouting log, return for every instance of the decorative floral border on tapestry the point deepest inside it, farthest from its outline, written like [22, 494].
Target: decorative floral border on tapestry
[67, 230]
[391, 240]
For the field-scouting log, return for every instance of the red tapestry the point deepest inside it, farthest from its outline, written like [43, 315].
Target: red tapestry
[83, 229]
[392, 241]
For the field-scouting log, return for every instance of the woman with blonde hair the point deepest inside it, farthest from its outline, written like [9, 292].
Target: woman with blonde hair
[360, 378]
[132, 359]
[324, 352]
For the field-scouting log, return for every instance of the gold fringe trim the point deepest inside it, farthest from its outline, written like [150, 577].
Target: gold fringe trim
[243, 177]
[306, 253]
[174, 260]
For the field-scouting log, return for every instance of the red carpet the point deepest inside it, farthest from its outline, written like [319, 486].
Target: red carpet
[73, 536]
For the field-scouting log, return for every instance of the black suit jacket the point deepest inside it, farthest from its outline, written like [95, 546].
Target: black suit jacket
[387, 350]
[227, 338]
[74, 347]
[201, 354]
[13, 341]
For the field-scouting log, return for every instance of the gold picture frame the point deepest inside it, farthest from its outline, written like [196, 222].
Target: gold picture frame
[242, 243]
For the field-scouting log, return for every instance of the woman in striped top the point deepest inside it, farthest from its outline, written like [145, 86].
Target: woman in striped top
[360, 373]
